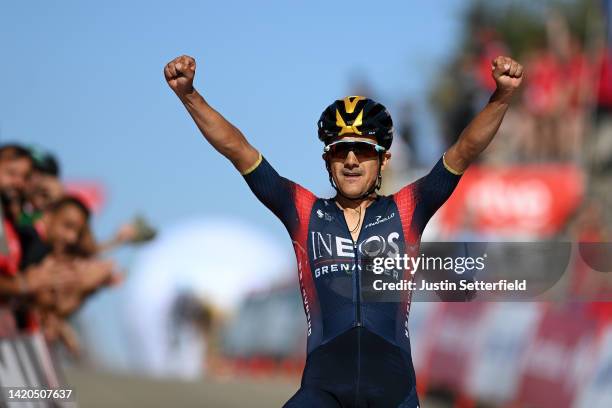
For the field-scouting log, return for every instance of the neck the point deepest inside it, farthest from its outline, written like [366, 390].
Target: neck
[344, 202]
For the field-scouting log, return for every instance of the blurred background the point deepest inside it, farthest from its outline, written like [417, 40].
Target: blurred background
[195, 299]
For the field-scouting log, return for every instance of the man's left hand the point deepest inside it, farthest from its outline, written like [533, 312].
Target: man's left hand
[508, 75]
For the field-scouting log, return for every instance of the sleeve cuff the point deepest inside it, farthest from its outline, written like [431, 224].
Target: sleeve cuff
[253, 167]
[449, 168]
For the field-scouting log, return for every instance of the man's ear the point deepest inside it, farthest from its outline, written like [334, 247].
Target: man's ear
[385, 160]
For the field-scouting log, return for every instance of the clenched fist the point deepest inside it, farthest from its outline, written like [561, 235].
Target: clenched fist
[179, 74]
[507, 73]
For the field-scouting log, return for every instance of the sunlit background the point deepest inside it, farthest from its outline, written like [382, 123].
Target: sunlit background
[209, 313]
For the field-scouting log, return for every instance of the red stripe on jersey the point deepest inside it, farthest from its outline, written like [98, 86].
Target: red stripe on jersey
[304, 201]
[406, 201]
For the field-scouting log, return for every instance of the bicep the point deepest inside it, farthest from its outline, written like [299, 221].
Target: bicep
[274, 191]
[426, 195]
[438, 185]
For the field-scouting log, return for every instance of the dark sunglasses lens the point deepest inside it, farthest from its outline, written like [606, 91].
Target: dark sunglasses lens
[361, 150]
[340, 151]
[364, 150]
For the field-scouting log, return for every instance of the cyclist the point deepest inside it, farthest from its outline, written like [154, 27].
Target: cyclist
[358, 343]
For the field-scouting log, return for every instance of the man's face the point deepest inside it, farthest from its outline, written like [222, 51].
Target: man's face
[355, 171]
[44, 190]
[65, 227]
[14, 174]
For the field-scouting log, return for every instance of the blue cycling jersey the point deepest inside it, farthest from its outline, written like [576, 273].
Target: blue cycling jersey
[336, 276]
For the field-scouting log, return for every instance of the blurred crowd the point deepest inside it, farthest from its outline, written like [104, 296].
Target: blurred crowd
[565, 102]
[50, 261]
[556, 136]
[563, 113]
[549, 120]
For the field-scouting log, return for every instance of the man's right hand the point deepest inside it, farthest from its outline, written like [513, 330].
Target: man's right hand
[179, 74]
[221, 134]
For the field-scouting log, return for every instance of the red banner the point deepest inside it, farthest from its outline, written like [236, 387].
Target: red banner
[558, 359]
[533, 200]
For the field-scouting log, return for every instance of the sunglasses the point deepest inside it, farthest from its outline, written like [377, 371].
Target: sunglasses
[362, 149]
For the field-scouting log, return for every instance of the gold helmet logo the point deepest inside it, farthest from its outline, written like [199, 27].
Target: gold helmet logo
[350, 102]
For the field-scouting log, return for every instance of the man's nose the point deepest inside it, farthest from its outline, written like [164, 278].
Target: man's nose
[351, 160]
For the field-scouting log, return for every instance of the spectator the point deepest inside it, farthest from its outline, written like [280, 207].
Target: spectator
[44, 188]
[62, 235]
[15, 170]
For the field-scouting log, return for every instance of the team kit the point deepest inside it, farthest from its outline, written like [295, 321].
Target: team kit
[358, 343]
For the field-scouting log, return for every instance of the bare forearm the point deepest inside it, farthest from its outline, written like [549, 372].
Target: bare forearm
[508, 75]
[220, 133]
[478, 134]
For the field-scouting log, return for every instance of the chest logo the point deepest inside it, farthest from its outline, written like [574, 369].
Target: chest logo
[379, 220]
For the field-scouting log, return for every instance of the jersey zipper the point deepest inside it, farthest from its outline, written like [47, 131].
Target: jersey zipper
[357, 274]
[357, 298]
[357, 277]
[357, 257]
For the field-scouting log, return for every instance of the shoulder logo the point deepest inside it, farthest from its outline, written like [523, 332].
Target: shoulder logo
[322, 214]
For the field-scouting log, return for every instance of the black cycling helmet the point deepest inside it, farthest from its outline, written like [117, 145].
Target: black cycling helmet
[359, 115]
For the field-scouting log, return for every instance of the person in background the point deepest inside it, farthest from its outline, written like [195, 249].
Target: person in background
[62, 235]
[15, 169]
[48, 254]
[44, 187]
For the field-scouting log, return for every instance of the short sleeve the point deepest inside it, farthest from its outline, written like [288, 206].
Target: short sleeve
[277, 193]
[425, 196]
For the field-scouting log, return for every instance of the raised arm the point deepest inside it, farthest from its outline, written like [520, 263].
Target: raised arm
[508, 75]
[221, 134]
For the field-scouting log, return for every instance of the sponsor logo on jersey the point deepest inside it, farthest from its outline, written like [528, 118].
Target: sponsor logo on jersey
[324, 215]
[379, 220]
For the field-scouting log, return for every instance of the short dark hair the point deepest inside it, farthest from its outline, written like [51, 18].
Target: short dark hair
[45, 162]
[14, 151]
